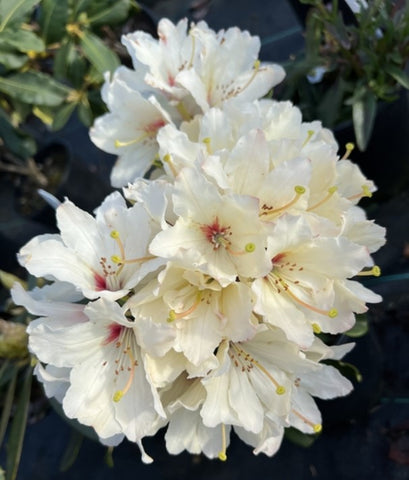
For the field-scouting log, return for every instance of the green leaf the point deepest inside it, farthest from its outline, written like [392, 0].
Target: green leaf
[348, 370]
[360, 328]
[363, 115]
[12, 10]
[8, 402]
[101, 57]
[114, 13]
[34, 88]
[300, 438]
[85, 113]
[72, 450]
[53, 19]
[15, 141]
[21, 40]
[10, 59]
[399, 75]
[62, 115]
[109, 459]
[61, 59]
[18, 427]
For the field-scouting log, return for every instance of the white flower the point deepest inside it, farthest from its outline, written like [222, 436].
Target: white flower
[220, 235]
[129, 129]
[108, 387]
[104, 256]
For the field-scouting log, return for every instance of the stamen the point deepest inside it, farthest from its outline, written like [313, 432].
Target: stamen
[310, 133]
[298, 189]
[331, 192]
[316, 328]
[375, 271]
[222, 454]
[256, 68]
[120, 144]
[332, 313]
[120, 393]
[249, 248]
[280, 389]
[365, 193]
[175, 316]
[183, 111]
[207, 142]
[117, 238]
[168, 159]
[192, 56]
[348, 149]
[317, 427]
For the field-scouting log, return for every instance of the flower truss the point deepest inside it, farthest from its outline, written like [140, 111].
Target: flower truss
[196, 300]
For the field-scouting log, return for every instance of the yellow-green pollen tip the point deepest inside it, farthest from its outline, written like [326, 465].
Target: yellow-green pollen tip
[114, 234]
[332, 189]
[366, 191]
[206, 140]
[317, 428]
[333, 313]
[376, 271]
[171, 317]
[250, 247]
[299, 189]
[167, 158]
[316, 328]
[222, 456]
[116, 259]
[118, 395]
[280, 390]
[350, 146]
[257, 64]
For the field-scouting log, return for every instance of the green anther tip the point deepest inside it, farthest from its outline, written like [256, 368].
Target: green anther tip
[114, 234]
[317, 428]
[333, 313]
[250, 247]
[299, 189]
[280, 390]
[222, 456]
[118, 395]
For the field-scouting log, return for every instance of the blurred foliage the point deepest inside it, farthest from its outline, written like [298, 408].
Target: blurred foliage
[346, 69]
[53, 56]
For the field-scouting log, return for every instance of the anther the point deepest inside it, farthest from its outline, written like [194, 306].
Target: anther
[175, 316]
[310, 133]
[121, 144]
[317, 428]
[280, 390]
[222, 454]
[168, 159]
[250, 247]
[299, 190]
[365, 193]
[207, 142]
[329, 194]
[375, 271]
[348, 149]
[316, 328]
[332, 313]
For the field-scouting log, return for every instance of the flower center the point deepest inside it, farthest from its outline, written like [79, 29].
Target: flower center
[220, 236]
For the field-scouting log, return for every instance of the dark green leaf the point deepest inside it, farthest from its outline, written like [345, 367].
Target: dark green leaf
[10, 59]
[61, 59]
[21, 40]
[399, 75]
[300, 438]
[8, 401]
[34, 88]
[85, 113]
[12, 10]
[98, 53]
[346, 369]
[109, 460]
[62, 115]
[363, 115]
[330, 105]
[111, 14]
[53, 19]
[15, 141]
[72, 450]
[18, 427]
[360, 328]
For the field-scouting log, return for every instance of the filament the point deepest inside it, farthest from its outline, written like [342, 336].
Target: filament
[331, 192]
[175, 316]
[222, 454]
[375, 271]
[299, 190]
[317, 427]
[348, 149]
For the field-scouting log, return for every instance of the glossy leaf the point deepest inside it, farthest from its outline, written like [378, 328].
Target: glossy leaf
[18, 427]
[15, 141]
[62, 115]
[114, 13]
[85, 113]
[101, 57]
[34, 88]
[360, 328]
[10, 59]
[53, 19]
[12, 10]
[8, 401]
[399, 75]
[21, 40]
[72, 450]
[363, 114]
[300, 438]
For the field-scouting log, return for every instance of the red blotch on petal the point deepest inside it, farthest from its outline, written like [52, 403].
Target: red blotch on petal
[114, 331]
[100, 282]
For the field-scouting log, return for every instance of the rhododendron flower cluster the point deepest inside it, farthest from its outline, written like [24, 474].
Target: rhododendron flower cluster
[195, 298]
